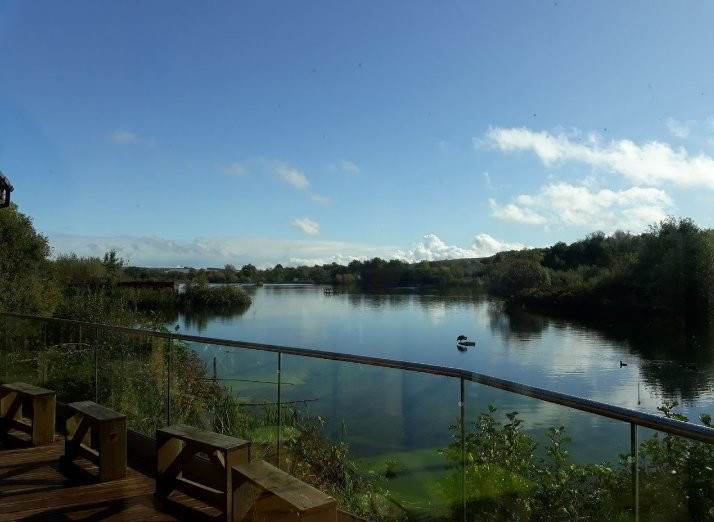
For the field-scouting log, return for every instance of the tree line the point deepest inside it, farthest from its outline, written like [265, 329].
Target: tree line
[87, 288]
[668, 269]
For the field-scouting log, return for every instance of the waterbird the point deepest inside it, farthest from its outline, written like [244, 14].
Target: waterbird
[622, 364]
[461, 337]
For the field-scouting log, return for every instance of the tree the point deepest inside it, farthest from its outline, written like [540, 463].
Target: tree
[113, 265]
[676, 268]
[512, 276]
[278, 275]
[249, 271]
[26, 283]
[73, 271]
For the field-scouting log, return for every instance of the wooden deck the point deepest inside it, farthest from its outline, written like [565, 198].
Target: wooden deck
[32, 487]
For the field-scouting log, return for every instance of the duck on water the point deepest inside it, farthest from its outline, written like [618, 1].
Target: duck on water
[462, 340]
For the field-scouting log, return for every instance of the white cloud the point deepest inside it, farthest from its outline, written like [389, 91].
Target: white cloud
[487, 176]
[234, 169]
[650, 163]
[680, 129]
[512, 212]
[322, 200]
[125, 137]
[431, 248]
[307, 225]
[340, 259]
[348, 167]
[565, 204]
[344, 167]
[292, 176]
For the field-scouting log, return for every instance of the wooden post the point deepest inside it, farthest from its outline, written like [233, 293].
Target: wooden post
[43, 420]
[112, 449]
[42, 415]
[167, 450]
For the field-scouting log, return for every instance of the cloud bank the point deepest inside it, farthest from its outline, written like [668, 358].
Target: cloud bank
[565, 204]
[217, 252]
[651, 163]
[431, 248]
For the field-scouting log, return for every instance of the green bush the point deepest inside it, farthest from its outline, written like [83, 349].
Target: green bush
[506, 479]
[201, 295]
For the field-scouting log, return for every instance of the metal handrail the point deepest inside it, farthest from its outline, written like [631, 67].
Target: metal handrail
[638, 418]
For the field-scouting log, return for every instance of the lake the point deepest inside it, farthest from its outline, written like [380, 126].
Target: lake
[382, 412]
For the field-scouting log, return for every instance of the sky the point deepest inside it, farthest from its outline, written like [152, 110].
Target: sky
[206, 133]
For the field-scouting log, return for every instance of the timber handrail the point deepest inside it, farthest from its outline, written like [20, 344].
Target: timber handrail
[646, 420]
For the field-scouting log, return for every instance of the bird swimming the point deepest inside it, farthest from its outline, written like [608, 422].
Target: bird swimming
[461, 342]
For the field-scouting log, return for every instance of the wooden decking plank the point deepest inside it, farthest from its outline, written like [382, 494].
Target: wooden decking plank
[75, 495]
[14, 456]
[34, 487]
[134, 509]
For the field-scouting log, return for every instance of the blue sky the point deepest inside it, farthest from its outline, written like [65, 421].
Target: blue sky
[206, 133]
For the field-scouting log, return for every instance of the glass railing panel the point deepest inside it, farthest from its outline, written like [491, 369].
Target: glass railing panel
[53, 355]
[23, 358]
[526, 459]
[132, 378]
[369, 436]
[227, 390]
[71, 351]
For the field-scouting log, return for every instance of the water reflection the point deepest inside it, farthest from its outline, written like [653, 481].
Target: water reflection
[377, 301]
[199, 320]
[676, 361]
[515, 324]
[572, 356]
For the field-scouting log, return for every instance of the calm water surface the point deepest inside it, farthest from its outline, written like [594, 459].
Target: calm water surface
[381, 410]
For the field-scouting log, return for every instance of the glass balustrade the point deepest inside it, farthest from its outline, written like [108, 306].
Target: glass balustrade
[389, 440]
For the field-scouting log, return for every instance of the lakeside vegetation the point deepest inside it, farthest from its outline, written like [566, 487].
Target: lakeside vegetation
[507, 475]
[90, 288]
[667, 271]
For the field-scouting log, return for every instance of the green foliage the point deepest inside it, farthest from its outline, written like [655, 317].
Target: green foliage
[515, 275]
[307, 454]
[201, 295]
[676, 268]
[677, 474]
[26, 284]
[72, 271]
[499, 468]
[507, 478]
[668, 270]
[89, 289]
[113, 266]
[97, 304]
